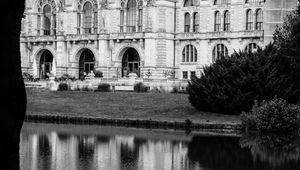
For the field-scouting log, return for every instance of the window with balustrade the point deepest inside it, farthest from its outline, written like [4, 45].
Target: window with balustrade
[249, 19]
[196, 21]
[189, 54]
[226, 21]
[187, 22]
[254, 1]
[217, 25]
[219, 51]
[87, 17]
[46, 17]
[259, 19]
[131, 16]
[221, 2]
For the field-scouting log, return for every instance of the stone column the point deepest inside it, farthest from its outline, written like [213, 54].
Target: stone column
[42, 25]
[137, 19]
[93, 24]
[52, 25]
[192, 23]
[81, 23]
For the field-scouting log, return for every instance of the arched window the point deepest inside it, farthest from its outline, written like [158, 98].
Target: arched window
[87, 17]
[196, 20]
[190, 3]
[47, 19]
[189, 54]
[259, 19]
[217, 22]
[131, 16]
[252, 47]
[218, 51]
[187, 22]
[249, 20]
[226, 21]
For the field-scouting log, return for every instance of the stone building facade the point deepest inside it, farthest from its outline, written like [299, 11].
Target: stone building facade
[152, 38]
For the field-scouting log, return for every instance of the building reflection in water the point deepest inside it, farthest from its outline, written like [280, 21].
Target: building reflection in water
[61, 151]
[75, 150]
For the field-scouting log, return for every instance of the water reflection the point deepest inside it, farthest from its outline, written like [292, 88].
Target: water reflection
[277, 151]
[60, 151]
[71, 148]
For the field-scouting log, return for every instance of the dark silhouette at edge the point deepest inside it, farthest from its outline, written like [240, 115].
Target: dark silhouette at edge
[13, 94]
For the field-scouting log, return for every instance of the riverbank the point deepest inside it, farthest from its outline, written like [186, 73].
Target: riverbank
[149, 110]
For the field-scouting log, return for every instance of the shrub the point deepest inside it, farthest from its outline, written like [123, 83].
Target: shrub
[66, 77]
[103, 87]
[140, 88]
[175, 90]
[275, 115]
[98, 73]
[27, 76]
[63, 87]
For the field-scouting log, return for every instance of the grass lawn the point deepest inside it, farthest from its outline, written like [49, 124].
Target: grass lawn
[120, 105]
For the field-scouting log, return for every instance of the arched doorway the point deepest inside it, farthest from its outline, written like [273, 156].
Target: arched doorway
[45, 64]
[130, 62]
[86, 63]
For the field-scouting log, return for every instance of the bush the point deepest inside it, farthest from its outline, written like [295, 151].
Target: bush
[65, 77]
[275, 115]
[98, 73]
[103, 87]
[27, 76]
[175, 90]
[141, 88]
[63, 87]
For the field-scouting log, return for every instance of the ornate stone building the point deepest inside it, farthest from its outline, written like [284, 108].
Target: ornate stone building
[161, 37]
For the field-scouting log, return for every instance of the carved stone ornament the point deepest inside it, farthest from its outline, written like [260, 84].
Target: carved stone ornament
[61, 6]
[42, 3]
[150, 2]
[104, 4]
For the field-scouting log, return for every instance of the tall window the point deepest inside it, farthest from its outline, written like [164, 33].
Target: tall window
[249, 20]
[218, 51]
[252, 47]
[189, 54]
[131, 15]
[78, 23]
[226, 21]
[47, 19]
[259, 19]
[217, 22]
[87, 18]
[140, 16]
[187, 22]
[196, 20]
[122, 21]
[38, 24]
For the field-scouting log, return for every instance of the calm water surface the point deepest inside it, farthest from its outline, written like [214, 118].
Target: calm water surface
[81, 147]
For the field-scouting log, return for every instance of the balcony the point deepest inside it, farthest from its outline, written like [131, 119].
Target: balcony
[81, 37]
[220, 35]
[41, 38]
[127, 35]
